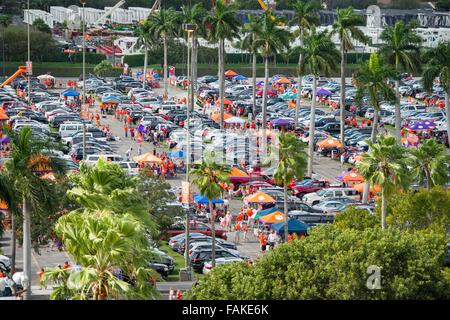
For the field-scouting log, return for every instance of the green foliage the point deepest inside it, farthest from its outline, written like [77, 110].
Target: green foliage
[40, 25]
[91, 58]
[357, 219]
[437, 66]
[271, 39]
[345, 26]
[208, 177]
[222, 23]
[443, 5]
[332, 264]
[103, 68]
[291, 159]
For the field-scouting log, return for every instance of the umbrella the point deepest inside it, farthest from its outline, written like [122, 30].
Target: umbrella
[231, 73]
[289, 95]
[45, 76]
[71, 93]
[239, 78]
[277, 76]
[329, 143]
[322, 92]
[238, 176]
[260, 197]
[283, 81]
[147, 157]
[294, 226]
[352, 176]
[141, 128]
[422, 125]
[177, 154]
[273, 217]
[225, 101]
[265, 212]
[198, 198]
[235, 120]
[260, 83]
[282, 122]
[360, 188]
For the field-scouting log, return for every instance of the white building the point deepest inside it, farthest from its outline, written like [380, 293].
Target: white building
[60, 14]
[120, 15]
[29, 16]
[92, 15]
[138, 13]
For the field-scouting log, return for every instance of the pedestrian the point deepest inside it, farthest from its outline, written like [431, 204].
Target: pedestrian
[245, 231]
[179, 295]
[237, 232]
[128, 153]
[66, 265]
[132, 133]
[262, 241]
[228, 220]
[139, 150]
[41, 278]
[171, 294]
[125, 130]
[272, 239]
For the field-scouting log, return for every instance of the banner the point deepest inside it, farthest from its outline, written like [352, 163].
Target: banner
[29, 68]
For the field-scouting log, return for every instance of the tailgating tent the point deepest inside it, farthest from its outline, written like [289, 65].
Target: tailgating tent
[147, 158]
[70, 93]
[3, 116]
[215, 116]
[273, 217]
[111, 99]
[235, 120]
[330, 143]
[225, 101]
[360, 188]
[238, 176]
[198, 198]
[269, 92]
[231, 73]
[294, 226]
[283, 81]
[45, 77]
[3, 205]
[422, 125]
[322, 92]
[352, 177]
[260, 197]
[239, 78]
[260, 83]
[265, 212]
[282, 122]
[177, 154]
[288, 95]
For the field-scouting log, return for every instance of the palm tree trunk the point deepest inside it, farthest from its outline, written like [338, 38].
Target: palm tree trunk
[286, 229]
[312, 127]
[144, 79]
[398, 117]
[221, 81]
[383, 208]
[447, 110]
[428, 176]
[254, 85]
[342, 102]
[27, 246]
[194, 63]
[165, 68]
[213, 234]
[373, 138]
[266, 85]
[299, 80]
[13, 243]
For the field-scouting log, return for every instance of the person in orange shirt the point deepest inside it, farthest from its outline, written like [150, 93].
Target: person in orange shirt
[240, 217]
[245, 230]
[237, 232]
[262, 241]
[41, 278]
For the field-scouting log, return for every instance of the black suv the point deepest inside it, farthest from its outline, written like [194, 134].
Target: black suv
[198, 258]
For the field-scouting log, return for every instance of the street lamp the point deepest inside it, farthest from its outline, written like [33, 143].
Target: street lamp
[83, 101]
[29, 53]
[189, 28]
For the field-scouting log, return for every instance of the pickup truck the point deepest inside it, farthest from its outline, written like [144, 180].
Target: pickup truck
[299, 189]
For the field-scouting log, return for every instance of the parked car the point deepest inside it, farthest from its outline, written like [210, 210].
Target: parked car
[323, 194]
[199, 257]
[198, 227]
[207, 266]
[301, 188]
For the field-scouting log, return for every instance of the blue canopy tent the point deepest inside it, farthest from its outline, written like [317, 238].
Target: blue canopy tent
[70, 93]
[239, 77]
[111, 99]
[177, 154]
[294, 226]
[266, 211]
[198, 198]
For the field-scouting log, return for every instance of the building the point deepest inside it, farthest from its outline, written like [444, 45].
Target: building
[29, 16]
[61, 14]
[138, 13]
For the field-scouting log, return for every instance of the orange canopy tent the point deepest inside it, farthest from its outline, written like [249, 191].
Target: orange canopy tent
[329, 143]
[360, 188]
[238, 173]
[225, 101]
[147, 158]
[283, 81]
[352, 177]
[3, 115]
[3, 205]
[259, 197]
[230, 73]
[274, 217]
[49, 176]
[216, 116]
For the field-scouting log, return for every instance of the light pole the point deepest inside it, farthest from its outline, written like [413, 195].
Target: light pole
[84, 80]
[29, 52]
[189, 28]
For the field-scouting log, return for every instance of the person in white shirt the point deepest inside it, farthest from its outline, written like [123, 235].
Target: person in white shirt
[272, 239]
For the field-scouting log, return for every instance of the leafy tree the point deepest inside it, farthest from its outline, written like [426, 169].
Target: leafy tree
[354, 218]
[332, 264]
[420, 210]
[292, 164]
[438, 66]
[208, 178]
[222, 25]
[443, 5]
[305, 16]
[384, 165]
[40, 25]
[430, 162]
[346, 28]
[103, 68]
[270, 40]
[319, 57]
[401, 48]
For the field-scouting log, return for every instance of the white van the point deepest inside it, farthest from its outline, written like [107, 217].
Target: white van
[131, 167]
[166, 108]
[316, 197]
[69, 128]
[93, 158]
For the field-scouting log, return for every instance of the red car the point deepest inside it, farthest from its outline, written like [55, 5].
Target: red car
[299, 189]
[199, 227]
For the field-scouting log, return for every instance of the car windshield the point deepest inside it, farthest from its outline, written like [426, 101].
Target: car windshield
[321, 192]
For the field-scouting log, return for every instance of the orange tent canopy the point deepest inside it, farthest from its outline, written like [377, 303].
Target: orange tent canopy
[352, 176]
[283, 80]
[49, 176]
[329, 143]
[225, 101]
[273, 217]
[3, 116]
[147, 158]
[237, 173]
[3, 205]
[260, 197]
[216, 116]
[360, 188]
[230, 73]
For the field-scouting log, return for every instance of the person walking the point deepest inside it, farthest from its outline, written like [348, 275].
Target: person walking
[262, 241]
[125, 130]
[245, 231]
[132, 133]
[41, 278]
[128, 153]
[228, 220]
[237, 232]
[171, 294]
[272, 239]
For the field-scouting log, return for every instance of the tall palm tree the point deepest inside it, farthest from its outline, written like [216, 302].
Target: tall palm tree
[208, 178]
[270, 40]
[401, 48]
[194, 15]
[26, 159]
[222, 24]
[319, 57]
[291, 165]
[164, 25]
[305, 16]
[144, 39]
[345, 27]
[430, 162]
[438, 66]
[252, 29]
[384, 165]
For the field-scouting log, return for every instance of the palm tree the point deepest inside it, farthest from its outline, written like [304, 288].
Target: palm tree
[401, 48]
[222, 24]
[305, 16]
[208, 178]
[291, 165]
[430, 162]
[438, 66]
[252, 29]
[114, 38]
[164, 25]
[194, 15]
[384, 165]
[144, 40]
[270, 40]
[345, 26]
[102, 245]
[26, 159]
[319, 56]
